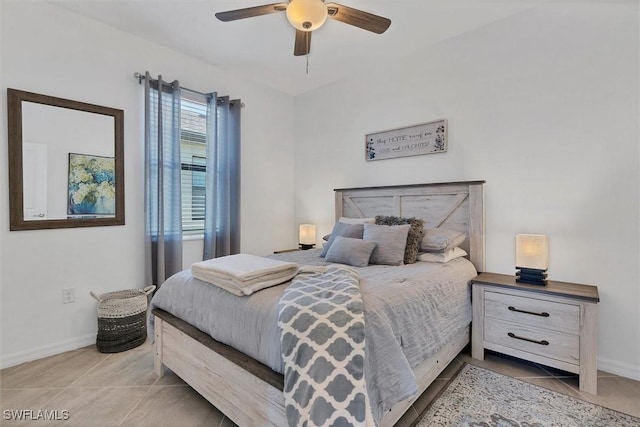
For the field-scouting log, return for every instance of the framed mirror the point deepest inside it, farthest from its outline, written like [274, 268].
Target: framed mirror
[66, 163]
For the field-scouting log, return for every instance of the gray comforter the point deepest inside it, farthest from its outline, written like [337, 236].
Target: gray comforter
[410, 312]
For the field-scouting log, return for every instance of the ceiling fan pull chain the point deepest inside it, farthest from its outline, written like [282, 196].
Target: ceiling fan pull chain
[307, 64]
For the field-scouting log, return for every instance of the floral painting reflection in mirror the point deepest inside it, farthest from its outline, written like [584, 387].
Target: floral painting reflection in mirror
[91, 185]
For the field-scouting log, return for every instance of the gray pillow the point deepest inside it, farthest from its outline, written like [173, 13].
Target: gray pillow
[391, 241]
[344, 230]
[413, 238]
[347, 250]
[441, 239]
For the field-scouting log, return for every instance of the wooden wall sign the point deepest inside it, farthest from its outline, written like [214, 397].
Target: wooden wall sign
[426, 138]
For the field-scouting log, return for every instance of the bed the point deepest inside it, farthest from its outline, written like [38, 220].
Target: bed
[246, 385]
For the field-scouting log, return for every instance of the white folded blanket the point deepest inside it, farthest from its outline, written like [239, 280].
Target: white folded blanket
[244, 274]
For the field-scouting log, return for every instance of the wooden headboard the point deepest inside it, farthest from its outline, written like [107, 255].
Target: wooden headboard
[453, 205]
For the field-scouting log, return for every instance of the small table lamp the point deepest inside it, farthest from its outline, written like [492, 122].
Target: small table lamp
[307, 236]
[532, 258]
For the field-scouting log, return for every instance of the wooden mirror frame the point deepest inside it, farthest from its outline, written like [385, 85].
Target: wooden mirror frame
[15, 98]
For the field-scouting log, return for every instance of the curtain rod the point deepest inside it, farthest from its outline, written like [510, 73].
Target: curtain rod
[140, 77]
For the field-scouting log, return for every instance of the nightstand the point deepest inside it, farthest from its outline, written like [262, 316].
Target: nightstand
[554, 325]
[284, 251]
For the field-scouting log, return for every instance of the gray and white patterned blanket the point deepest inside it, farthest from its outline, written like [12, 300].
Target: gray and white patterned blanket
[323, 346]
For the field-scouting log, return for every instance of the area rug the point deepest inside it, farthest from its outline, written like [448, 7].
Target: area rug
[478, 397]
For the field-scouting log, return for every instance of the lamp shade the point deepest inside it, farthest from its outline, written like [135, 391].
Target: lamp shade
[307, 15]
[307, 234]
[532, 251]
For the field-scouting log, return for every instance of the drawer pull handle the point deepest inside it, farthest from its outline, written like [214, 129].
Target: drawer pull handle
[543, 342]
[543, 314]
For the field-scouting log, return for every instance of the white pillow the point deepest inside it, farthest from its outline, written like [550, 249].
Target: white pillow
[357, 220]
[442, 256]
[440, 239]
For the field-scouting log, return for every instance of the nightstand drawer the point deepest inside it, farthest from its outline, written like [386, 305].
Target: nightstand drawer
[531, 311]
[552, 344]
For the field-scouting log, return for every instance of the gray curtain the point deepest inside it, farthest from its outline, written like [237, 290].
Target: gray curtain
[163, 220]
[222, 202]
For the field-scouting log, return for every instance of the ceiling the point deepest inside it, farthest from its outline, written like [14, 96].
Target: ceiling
[261, 48]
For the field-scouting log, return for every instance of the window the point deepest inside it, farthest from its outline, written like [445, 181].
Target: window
[193, 155]
[184, 146]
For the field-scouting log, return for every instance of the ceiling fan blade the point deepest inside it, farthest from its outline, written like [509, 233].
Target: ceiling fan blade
[303, 43]
[365, 20]
[250, 12]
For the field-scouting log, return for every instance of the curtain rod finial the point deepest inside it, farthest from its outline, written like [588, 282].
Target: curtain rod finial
[138, 76]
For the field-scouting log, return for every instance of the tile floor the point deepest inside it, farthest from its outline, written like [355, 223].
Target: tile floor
[121, 390]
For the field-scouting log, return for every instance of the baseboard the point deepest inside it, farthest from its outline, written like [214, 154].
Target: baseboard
[606, 365]
[619, 368]
[6, 361]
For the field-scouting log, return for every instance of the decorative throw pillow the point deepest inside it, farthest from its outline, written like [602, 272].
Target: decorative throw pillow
[391, 241]
[414, 237]
[445, 256]
[441, 239]
[344, 230]
[346, 220]
[347, 250]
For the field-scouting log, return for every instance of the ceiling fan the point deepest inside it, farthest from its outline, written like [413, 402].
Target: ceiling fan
[309, 15]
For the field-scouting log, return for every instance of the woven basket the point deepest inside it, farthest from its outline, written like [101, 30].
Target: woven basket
[122, 319]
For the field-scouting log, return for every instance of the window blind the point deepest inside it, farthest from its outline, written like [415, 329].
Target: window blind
[193, 154]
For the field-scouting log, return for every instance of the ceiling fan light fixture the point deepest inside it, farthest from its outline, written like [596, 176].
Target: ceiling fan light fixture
[307, 15]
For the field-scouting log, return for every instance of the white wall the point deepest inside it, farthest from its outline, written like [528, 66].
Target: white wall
[51, 51]
[544, 107]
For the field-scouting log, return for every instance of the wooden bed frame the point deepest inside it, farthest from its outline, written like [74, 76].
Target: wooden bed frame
[250, 393]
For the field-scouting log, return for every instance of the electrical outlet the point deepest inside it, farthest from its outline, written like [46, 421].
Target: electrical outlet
[68, 295]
